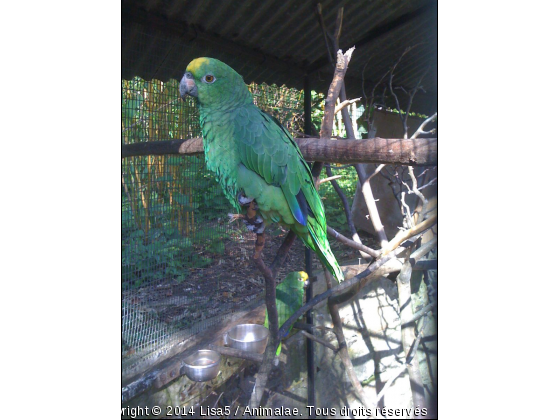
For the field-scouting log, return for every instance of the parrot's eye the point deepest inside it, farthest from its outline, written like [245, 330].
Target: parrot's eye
[209, 78]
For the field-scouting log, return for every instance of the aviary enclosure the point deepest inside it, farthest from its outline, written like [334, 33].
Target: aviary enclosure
[189, 272]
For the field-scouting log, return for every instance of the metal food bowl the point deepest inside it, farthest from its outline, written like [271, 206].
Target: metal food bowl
[247, 337]
[202, 366]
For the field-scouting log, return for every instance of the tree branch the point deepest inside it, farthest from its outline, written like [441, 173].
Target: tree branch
[353, 244]
[344, 104]
[420, 151]
[330, 178]
[421, 128]
[404, 235]
[319, 340]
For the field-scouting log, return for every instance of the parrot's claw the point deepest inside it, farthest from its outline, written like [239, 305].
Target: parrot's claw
[255, 224]
[233, 217]
[243, 200]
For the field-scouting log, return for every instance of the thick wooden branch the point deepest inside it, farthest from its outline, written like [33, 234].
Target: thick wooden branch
[417, 151]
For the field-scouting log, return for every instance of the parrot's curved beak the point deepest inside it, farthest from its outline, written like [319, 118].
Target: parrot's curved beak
[187, 86]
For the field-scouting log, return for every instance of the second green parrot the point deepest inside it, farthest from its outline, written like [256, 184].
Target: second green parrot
[255, 158]
[289, 298]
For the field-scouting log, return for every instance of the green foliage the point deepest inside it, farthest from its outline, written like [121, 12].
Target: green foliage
[162, 253]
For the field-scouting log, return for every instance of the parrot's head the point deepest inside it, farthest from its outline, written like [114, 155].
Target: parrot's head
[213, 83]
[297, 279]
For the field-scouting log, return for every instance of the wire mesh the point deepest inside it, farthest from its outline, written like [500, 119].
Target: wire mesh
[177, 245]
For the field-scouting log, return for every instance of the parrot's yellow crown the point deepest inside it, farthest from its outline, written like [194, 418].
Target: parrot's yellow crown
[197, 63]
[303, 275]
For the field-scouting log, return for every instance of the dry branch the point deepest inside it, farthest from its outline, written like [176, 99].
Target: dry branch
[330, 178]
[353, 244]
[372, 209]
[404, 235]
[421, 128]
[319, 340]
[345, 103]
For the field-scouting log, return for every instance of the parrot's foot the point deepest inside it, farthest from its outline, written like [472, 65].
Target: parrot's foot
[243, 200]
[252, 220]
[233, 217]
[254, 224]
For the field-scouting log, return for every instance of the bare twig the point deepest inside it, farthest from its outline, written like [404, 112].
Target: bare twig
[377, 170]
[404, 235]
[423, 250]
[344, 104]
[432, 182]
[405, 210]
[353, 244]
[421, 128]
[420, 314]
[330, 178]
[319, 340]
[424, 206]
[373, 213]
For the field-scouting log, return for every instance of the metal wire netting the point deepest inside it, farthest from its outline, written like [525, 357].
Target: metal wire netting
[175, 232]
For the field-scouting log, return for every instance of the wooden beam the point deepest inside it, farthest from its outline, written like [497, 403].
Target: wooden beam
[419, 151]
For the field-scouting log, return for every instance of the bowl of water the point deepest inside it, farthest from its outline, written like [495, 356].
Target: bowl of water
[247, 337]
[202, 365]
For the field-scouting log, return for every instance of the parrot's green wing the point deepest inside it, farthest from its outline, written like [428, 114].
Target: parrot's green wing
[289, 298]
[266, 148]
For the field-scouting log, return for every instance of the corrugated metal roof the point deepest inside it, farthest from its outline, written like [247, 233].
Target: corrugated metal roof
[278, 42]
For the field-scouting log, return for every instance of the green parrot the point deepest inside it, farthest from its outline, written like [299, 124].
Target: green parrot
[289, 298]
[255, 158]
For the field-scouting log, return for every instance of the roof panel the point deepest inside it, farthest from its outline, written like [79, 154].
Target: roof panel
[278, 42]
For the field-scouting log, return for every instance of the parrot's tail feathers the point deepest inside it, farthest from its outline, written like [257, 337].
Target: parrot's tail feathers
[320, 245]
